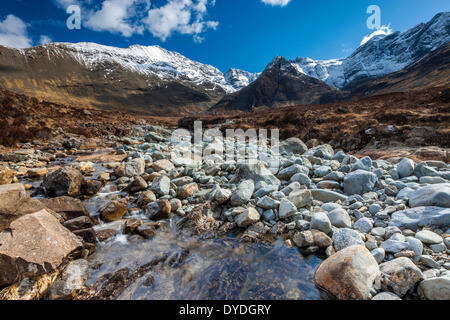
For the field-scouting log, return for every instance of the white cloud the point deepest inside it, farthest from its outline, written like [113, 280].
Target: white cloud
[280, 3]
[383, 31]
[113, 17]
[180, 16]
[13, 33]
[45, 40]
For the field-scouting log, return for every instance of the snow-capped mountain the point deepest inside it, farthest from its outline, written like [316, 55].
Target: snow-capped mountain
[239, 79]
[381, 55]
[150, 61]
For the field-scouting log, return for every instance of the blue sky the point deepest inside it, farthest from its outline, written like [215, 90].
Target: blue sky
[244, 34]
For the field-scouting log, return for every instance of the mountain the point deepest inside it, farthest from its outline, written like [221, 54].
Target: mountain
[239, 79]
[381, 55]
[138, 78]
[433, 70]
[280, 84]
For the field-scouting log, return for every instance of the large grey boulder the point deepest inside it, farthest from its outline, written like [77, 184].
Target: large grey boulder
[321, 222]
[416, 218]
[346, 237]
[405, 168]
[359, 182]
[33, 245]
[257, 172]
[243, 193]
[293, 145]
[435, 289]
[433, 195]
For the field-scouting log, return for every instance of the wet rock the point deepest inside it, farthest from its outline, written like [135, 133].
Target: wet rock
[385, 296]
[145, 198]
[138, 184]
[175, 204]
[405, 168]
[399, 276]
[340, 218]
[158, 210]
[345, 237]
[187, 190]
[359, 182]
[293, 145]
[428, 237]
[321, 222]
[349, 274]
[301, 198]
[147, 230]
[435, 289]
[161, 185]
[433, 195]
[243, 193]
[91, 187]
[6, 175]
[33, 245]
[88, 235]
[113, 211]
[72, 280]
[63, 182]
[416, 218]
[79, 223]
[248, 217]
[68, 207]
[132, 168]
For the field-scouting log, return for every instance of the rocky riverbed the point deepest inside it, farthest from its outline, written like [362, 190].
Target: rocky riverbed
[122, 218]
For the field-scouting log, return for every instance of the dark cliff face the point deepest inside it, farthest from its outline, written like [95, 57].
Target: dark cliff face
[280, 84]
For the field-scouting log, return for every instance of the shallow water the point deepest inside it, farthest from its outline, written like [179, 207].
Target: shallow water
[194, 268]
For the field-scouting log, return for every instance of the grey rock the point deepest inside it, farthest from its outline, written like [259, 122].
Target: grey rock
[301, 198]
[257, 172]
[243, 193]
[248, 217]
[415, 218]
[287, 209]
[405, 168]
[359, 182]
[268, 203]
[415, 245]
[428, 237]
[321, 222]
[386, 296]
[379, 254]
[327, 195]
[345, 237]
[161, 185]
[399, 276]
[394, 246]
[435, 289]
[429, 261]
[293, 145]
[364, 225]
[433, 195]
[340, 218]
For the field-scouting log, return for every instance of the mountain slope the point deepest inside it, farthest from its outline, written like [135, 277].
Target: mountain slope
[239, 79]
[433, 70]
[280, 84]
[143, 79]
[381, 55]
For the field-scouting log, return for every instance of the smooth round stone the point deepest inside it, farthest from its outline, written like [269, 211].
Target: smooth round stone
[330, 206]
[374, 209]
[429, 262]
[364, 225]
[447, 242]
[356, 205]
[432, 180]
[415, 245]
[385, 296]
[405, 168]
[321, 222]
[378, 231]
[397, 237]
[428, 237]
[379, 254]
[340, 218]
[440, 247]
[393, 246]
[322, 171]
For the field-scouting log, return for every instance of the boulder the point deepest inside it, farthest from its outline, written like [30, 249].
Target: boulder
[15, 202]
[158, 210]
[69, 208]
[243, 193]
[321, 222]
[247, 217]
[138, 184]
[435, 289]
[340, 218]
[348, 274]
[289, 172]
[287, 209]
[327, 196]
[359, 182]
[345, 237]
[364, 225]
[301, 198]
[6, 175]
[145, 198]
[163, 165]
[63, 182]
[113, 210]
[405, 168]
[33, 245]
[71, 281]
[399, 275]
[257, 172]
[293, 145]
[419, 217]
[132, 168]
[91, 187]
[161, 185]
[187, 190]
[437, 195]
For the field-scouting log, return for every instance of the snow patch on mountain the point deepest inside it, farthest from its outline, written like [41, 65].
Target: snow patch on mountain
[239, 78]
